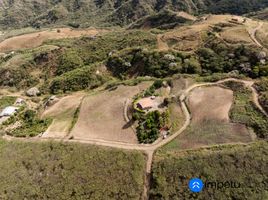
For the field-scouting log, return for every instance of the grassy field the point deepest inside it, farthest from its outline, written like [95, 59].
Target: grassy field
[6, 101]
[245, 112]
[244, 164]
[69, 171]
[177, 117]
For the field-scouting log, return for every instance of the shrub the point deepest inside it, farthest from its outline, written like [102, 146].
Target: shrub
[68, 61]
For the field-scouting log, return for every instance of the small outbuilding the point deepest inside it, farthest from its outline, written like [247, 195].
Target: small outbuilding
[9, 111]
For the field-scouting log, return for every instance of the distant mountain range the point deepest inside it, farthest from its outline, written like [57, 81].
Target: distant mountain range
[84, 13]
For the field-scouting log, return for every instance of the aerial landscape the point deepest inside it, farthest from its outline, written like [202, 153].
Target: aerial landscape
[134, 100]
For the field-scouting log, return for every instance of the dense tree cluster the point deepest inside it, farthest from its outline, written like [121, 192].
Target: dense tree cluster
[143, 62]
[149, 125]
[217, 57]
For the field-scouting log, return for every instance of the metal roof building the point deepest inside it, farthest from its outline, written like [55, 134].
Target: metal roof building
[8, 111]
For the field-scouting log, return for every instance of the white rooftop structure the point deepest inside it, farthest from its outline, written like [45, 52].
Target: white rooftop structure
[8, 111]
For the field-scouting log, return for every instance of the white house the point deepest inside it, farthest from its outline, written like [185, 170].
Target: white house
[8, 111]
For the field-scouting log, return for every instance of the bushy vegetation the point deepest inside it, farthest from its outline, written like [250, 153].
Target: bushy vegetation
[149, 125]
[163, 20]
[236, 7]
[29, 124]
[244, 164]
[214, 57]
[6, 101]
[96, 49]
[44, 13]
[49, 170]
[143, 62]
[217, 57]
[75, 80]
[245, 111]
[262, 88]
[68, 61]
[16, 77]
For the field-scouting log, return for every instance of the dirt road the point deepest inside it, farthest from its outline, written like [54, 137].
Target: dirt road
[253, 32]
[150, 148]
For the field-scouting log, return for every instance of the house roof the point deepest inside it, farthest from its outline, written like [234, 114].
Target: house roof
[10, 110]
[146, 102]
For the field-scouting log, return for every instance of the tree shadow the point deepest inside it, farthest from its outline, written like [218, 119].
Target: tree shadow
[128, 124]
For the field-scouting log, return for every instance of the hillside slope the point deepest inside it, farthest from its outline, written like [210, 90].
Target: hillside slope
[39, 13]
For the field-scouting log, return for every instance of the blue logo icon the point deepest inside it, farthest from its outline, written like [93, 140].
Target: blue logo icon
[196, 185]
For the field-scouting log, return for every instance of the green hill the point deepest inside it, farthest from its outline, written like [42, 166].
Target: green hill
[86, 13]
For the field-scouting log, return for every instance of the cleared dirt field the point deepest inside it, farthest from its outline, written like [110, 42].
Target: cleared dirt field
[32, 40]
[236, 35]
[210, 103]
[102, 115]
[189, 38]
[62, 114]
[209, 107]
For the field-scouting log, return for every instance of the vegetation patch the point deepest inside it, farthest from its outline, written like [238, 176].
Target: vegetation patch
[218, 57]
[49, 170]
[243, 164]
[244, 110]
[262, 88]
[142, 62]
[76, 80]
[6, 101]
[29, 124]
[149, 126]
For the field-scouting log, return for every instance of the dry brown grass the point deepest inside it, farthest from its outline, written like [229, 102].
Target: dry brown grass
[32, 40]
[62, 114]
[189, 38]
[236, 35]
[210, 103]
[262, 35]
[101, 115]
[209, 107]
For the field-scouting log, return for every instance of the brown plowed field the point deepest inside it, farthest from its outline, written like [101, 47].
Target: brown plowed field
[102, 115]
[209, 107]
[210, 103]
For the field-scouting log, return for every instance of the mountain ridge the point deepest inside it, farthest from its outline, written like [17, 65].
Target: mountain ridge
[85, 13]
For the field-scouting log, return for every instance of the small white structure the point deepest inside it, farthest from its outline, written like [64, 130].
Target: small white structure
[8, 111]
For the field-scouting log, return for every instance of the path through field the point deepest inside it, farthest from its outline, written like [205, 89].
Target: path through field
[253, 32]
[150, 148]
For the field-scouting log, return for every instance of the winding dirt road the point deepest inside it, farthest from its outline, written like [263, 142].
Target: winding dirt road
[252, 34]
[150, 148]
